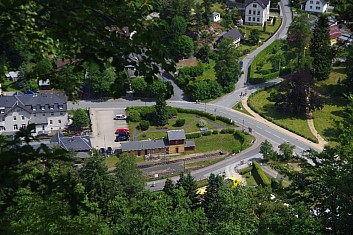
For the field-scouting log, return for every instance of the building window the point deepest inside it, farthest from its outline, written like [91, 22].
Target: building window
[43, 114]
[311, 2]
[2, 110]
[254, 5]
[14, 118]
[250, 12]
[253, 19]
[23, 126]
[317, 2]
[258, 13]
[254, 12]
[15, 127]
[51, 106]
[2, 128]
[317, 8]
[249, 18]
[61, 106]
[52, 114]
[43, 128]
[311, 7]
[34, 108]
[59, 121]
[23, 117]
[51, 122]
[258, 19]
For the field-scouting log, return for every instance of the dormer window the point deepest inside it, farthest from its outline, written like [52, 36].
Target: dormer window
[34, 108]
[2, 110]
[42, 107]
[254, 5]
[60, 106]
[51, 106]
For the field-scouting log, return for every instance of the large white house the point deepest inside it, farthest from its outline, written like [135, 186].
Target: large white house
[315, 6]
[47, 111]
[257, 12]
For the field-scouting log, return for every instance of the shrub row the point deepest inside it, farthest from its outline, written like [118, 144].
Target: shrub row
[224, 119]
[193, 135]
[180, 122]
[206, 133]
[227, 131]
[144, 125]
[197, 112]
[259, 174]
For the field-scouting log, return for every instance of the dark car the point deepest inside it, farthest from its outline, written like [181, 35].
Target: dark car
[109, 151]
[102, 151]
[122, 136]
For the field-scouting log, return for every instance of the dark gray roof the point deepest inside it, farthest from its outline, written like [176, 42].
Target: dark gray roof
[176, 135]
[189, 143]
[233, 33]
[322, 1]
[43, 103]
[262, 3]
[77, 143]
[142, 145]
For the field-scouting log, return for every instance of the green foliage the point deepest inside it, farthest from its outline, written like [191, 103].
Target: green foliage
[197, 112]
[69, 81]
[320, 50]
[203, 53]
[80, 119]
[204, 89]
[215, 132]
[144, 125]
[180, 122]
[161, 115]
[133, 115]
[267, 151]
[177, 27]
[101, 81]
[259, 175]
[182, 47]
[139, 86]
[201, 123]
[287, 151]
[193, 71]
[121, 84]
[206, 133]
[254, 37]
[193, 135]
[224, 119]
[227, 64]
[348, 82]
[227, 131]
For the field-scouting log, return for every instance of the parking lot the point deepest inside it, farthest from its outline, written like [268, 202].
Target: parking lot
[104, 126]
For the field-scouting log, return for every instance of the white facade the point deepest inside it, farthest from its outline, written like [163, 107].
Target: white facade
[216, 17]
[256, 14]
[315, 6]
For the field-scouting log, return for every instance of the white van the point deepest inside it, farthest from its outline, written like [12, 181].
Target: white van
[120, 117]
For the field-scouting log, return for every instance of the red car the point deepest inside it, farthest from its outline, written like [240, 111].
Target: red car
[122, 130]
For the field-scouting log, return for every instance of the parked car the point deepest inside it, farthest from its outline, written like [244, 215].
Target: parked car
[109, 150]
[120, 117]
[122, 136]
[122, 130]
[102, 151]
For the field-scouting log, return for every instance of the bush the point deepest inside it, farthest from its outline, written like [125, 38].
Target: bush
[215, 132]
[80, 119]
[201, 123]
[193, 135]
[172, 112]
[227, 131]
[259, 175]
[133, 115]
[206, 133]
[245, 171]
[191, 71]
[144, 125]
[180, 122]
[224, 119]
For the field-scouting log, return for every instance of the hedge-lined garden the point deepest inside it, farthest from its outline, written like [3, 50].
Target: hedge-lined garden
[259, 175]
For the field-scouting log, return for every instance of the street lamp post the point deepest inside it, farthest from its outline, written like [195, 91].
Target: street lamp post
[243, 125]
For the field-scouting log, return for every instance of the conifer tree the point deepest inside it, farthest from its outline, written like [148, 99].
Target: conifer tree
[320, 50]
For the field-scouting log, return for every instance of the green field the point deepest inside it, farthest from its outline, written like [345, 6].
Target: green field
[209, 72]
[297, 124]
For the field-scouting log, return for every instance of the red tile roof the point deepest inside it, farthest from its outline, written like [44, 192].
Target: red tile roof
[335, 32]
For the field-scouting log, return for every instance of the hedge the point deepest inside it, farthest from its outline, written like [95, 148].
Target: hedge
[144, 125]
[180, 122]
[259, 174]
[227, 131]
[206, 133]
[215, 132]
[224, 119]
[197, 112]
[193, 135]
[192, 71]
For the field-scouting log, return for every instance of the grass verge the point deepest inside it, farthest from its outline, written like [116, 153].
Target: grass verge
[239, 107]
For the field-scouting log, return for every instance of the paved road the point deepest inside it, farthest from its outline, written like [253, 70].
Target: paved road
[232, 98]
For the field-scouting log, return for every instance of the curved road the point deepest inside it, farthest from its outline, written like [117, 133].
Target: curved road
[222, 107]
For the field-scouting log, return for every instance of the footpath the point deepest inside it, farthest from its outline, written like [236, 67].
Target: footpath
[321, 142]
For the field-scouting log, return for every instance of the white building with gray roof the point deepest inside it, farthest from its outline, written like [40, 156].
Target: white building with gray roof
[48, 112]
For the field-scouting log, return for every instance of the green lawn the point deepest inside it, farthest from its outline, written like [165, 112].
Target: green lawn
[204, 163]
[225, 142]
[270, 29]
[325, 119]
[239, 107]
[298, 124]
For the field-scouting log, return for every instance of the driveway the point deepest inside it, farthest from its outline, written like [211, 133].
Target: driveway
[104, 126]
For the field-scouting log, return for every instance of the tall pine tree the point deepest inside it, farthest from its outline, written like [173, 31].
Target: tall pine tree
[320, 50]
[161, 117]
